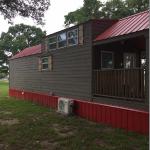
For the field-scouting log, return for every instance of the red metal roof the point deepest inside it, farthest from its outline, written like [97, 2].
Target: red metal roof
[28, 51]
[130, 24]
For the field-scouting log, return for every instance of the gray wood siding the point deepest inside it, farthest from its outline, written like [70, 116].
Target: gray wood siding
[71, 74]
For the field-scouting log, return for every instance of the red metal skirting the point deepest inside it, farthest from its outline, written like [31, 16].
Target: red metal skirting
[118, 117]
[39, 98]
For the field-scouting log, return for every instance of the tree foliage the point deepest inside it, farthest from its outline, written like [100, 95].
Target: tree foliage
[112, 9]
[75, 17]
[25, 8]
[19, 37]
[3, 62]
[115, 9]
[90, 10]
[16, 39]
[135, 6]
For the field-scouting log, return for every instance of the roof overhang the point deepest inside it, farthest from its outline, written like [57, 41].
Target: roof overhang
[122, 37]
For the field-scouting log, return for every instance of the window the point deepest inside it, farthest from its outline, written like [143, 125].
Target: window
[62, 40]
[72, 37]
[52, 43]
[106, 60]
[45, 63]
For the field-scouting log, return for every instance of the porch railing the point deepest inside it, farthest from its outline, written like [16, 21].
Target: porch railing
[122, 83]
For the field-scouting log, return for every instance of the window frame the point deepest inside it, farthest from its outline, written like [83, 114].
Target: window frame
[54, 36]
[44, 63]
[108, 52]
[58, 41]
[80, 34]
[77, 36]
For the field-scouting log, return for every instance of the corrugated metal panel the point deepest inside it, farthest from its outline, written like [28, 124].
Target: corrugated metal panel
[118, 117]
[39, 98]
[131, 24]
[28, 51]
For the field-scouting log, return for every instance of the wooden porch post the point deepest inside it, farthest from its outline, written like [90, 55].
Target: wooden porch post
[147, 69]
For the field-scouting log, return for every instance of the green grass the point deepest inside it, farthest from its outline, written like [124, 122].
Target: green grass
[40, 128]
[3, 88]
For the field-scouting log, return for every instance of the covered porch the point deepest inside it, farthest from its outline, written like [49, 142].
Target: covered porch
[120, 68]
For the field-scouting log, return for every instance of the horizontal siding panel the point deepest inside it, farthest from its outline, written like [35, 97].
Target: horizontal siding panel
[71, 72]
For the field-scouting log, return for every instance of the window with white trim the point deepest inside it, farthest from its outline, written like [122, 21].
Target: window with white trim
[52, 43]
[44, 63]
[106, 60]
[72, 37]
[62, 40]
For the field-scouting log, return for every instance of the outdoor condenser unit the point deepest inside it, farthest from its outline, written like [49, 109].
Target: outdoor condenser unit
[65, 106]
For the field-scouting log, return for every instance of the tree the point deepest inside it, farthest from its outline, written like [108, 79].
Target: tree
[25, 8]
[115, 9]
[137, 5]
[3, 66]
[75, 17]
[19, 37]
[90, 10]
[16, 39]
[112, 9]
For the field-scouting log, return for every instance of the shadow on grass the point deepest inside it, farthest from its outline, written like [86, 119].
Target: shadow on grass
[39, 128]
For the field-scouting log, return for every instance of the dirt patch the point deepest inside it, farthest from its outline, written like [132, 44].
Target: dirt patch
[3, 146]
[108, 130]
[5, 112]
[9, 121]
[48, 145]
[64, 131]
[100, 143]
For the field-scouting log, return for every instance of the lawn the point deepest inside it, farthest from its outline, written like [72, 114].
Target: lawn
[25, 126]
[3, 88]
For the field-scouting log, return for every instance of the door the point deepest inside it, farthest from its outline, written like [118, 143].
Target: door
[129, 60]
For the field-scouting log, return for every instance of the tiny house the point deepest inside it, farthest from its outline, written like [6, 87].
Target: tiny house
[97, 62]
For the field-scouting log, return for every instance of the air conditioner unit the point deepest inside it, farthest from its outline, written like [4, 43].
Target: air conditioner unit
[65, 106]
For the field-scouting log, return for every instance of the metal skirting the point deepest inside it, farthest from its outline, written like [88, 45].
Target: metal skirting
[39, 98]
[118, 117]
